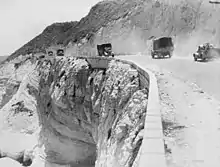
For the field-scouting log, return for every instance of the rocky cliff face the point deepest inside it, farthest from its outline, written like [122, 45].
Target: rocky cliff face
[68, 113]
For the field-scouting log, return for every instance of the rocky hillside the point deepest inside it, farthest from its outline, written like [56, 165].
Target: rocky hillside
[65, 113]
[128, 24]
[54, 33]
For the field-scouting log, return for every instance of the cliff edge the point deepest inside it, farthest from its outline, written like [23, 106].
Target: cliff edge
[68, 113]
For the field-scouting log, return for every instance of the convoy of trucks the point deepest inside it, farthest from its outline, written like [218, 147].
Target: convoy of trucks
[162, 47]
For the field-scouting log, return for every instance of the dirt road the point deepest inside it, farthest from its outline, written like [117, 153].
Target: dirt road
[190, 116]
[205, 74]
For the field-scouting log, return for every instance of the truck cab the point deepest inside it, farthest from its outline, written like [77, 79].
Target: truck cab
[50, 53]
[202, 52]
[60, 52]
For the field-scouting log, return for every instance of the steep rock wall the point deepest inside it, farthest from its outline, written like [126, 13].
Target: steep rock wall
[90, 114]
[75, 112]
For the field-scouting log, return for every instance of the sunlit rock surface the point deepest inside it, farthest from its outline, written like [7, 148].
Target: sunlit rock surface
[76, 115]
[7, 162]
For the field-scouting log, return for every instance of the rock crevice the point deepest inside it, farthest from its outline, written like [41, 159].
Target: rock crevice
[87, 116]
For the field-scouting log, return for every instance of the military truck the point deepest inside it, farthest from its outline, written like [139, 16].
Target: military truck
[50, 53]
[105, 50]
[60, 52]
[162, 47]
[203, 52]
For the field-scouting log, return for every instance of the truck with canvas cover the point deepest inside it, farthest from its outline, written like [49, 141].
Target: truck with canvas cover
[60, 52]
[105, 50]
[50, 53]
[162, 47]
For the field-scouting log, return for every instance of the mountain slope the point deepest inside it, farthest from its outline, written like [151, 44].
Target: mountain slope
[2, 58]
[52, 34]
[128, 24]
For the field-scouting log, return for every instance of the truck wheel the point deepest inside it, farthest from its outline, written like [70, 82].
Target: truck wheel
[195, 59]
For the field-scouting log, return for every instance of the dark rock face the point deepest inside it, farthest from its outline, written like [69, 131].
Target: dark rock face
[89, 115]
[66, 112]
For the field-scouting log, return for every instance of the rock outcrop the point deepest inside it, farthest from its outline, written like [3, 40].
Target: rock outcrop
[69, 113]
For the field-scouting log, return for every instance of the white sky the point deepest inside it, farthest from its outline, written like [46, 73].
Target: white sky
[22, 20]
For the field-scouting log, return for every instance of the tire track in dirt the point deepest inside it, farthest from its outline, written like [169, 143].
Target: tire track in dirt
[190, 121]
